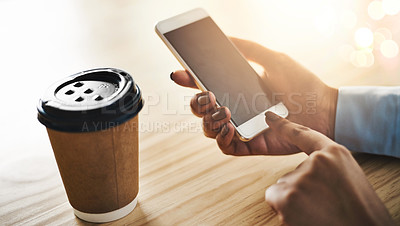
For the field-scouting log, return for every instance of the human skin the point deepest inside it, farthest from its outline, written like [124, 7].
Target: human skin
[328, 188]
[286, 81]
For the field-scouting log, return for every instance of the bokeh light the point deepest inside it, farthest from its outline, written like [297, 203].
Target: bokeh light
[363, 37]
[391, 7]
[380, 35]
[362, 58]
[385, 32]
[389, 48]
[375, 10]
[365, 33]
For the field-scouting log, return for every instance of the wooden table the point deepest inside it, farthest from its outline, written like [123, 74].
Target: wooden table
[184, 178]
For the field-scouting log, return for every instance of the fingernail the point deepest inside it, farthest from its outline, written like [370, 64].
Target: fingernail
[220, 114]
[225, 130]
[170, 75]
[203, 99]
[270, 116]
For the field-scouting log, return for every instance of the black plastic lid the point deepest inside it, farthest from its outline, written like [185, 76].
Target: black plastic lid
[91, 100]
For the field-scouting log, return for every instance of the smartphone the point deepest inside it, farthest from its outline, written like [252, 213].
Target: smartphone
[216, 65]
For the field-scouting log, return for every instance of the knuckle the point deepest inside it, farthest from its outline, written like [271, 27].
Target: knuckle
[282, 123]
[226, 151]
[196, 113]
[338, 152]
[298, 130]
[223, 146]
[193, 104]
[207, 122]
[337, 148]
[319, 159]
[209, 134]
[318, 156]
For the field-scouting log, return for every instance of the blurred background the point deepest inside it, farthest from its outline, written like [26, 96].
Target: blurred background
[41, 41]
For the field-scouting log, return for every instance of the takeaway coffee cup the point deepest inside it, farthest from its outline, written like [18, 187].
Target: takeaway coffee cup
[92, 122]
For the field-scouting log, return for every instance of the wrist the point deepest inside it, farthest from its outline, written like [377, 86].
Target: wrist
[331, 111]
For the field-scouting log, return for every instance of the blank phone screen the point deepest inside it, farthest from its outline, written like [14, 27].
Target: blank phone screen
[220, 68]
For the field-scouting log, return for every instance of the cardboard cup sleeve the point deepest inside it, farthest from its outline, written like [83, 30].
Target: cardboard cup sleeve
[95, 142]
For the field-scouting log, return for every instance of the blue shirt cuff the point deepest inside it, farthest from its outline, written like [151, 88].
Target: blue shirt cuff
[368, 119]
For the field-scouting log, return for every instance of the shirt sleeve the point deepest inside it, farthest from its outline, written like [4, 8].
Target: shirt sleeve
[368, 119]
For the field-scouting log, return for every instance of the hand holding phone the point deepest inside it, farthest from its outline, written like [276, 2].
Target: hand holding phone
[293, 83]
[216, 65]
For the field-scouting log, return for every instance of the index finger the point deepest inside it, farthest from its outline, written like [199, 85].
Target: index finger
[304, 138]
[183, 78]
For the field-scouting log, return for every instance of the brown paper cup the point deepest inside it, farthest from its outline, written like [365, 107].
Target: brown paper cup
[97, 156]
[99, 170]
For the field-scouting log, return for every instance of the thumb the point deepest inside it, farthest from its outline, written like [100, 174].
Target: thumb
[304, 138]
[256, 52]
